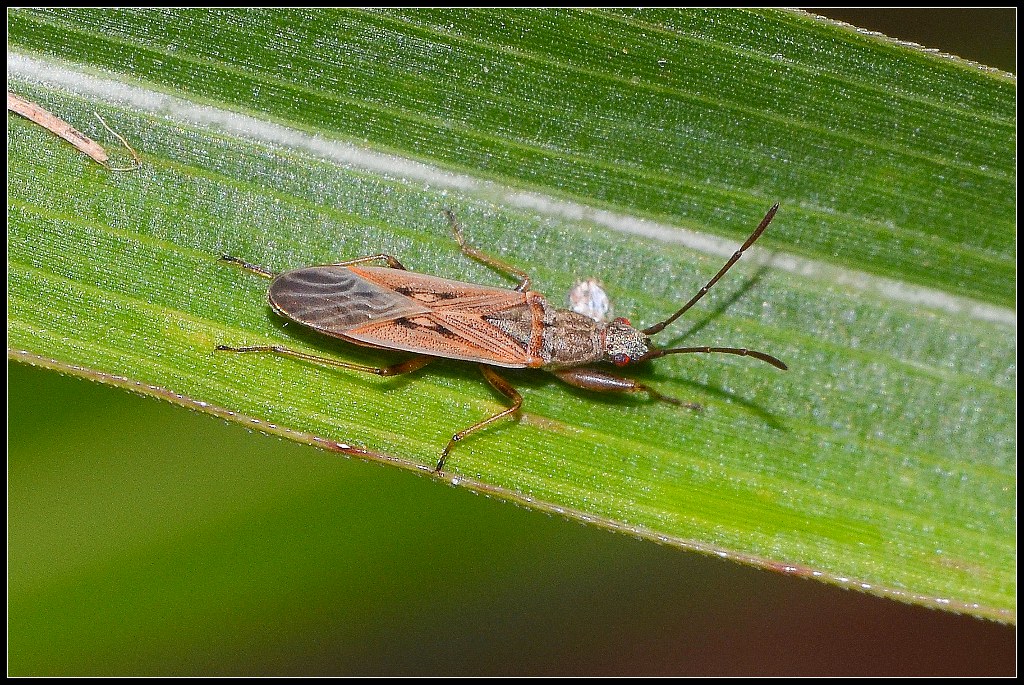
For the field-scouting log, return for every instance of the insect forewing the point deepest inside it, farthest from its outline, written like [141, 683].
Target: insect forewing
[335, 299]
[402, 310]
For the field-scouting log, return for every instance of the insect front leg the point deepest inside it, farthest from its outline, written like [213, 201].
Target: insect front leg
[483, 257]
[600, 381]
[407, 366]
[502, 386]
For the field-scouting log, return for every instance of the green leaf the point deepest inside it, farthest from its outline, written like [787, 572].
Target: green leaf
[883, 460]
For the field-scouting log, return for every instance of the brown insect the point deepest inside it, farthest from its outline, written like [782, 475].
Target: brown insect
[396, 309]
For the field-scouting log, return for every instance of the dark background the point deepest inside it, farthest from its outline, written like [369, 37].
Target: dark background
[986, 36]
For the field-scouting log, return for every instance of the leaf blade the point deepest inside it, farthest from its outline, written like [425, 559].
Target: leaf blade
[850, 450]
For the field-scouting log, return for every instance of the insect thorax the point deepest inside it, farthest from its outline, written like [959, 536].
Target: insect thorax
[556, 338]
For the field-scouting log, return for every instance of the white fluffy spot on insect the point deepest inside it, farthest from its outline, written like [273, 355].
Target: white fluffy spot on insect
[589, 299]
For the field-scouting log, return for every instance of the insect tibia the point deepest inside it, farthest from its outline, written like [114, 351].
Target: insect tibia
[252, 268]
[484, 258]
[251, 348]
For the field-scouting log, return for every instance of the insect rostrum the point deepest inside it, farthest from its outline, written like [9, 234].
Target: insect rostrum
[389, 307]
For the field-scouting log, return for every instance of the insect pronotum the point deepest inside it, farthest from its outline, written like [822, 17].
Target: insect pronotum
[431, 317]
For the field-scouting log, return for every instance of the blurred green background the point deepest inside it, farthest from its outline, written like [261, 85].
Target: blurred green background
[205, 549]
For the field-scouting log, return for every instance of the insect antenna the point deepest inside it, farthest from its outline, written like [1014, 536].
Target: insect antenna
[741, 351]
[658, 327]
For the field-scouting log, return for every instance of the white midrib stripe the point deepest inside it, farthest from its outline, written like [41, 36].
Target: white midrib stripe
[63, 76]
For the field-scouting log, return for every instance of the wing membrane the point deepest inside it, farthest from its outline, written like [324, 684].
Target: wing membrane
[334, 299]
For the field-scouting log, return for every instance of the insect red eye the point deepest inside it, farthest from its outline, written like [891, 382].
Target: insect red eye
[620, 359]
[624, 320]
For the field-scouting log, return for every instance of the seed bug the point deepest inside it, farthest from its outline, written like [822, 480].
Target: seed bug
[389, 307]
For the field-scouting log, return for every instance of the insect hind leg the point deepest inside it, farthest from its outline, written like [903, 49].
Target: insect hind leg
[407, 366]
[252, 268]
[267, 273]
[502, 386]
[484, 258]
[390, 259]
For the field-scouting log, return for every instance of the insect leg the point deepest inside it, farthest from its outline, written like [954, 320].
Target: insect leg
[258, 270]
[392, 261]
[502, 386]
[593, 379]
[393, 370]
[484, 258]
[266, 273]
